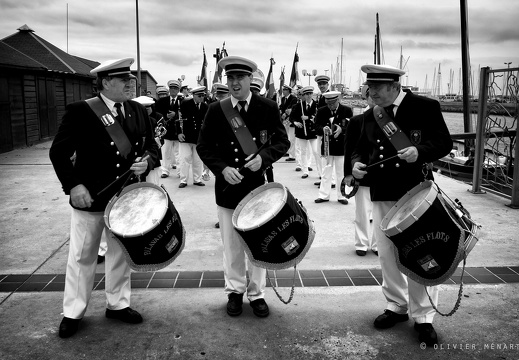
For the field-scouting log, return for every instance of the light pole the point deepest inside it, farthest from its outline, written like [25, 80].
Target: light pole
[506, 86]
[305, 73]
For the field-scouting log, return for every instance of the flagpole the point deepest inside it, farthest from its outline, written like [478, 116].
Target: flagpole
[138, 90]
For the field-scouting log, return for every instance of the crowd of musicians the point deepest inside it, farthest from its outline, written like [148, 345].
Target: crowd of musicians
[235, 135]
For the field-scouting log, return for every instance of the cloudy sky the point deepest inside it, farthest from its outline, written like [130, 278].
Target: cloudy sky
[172, 34]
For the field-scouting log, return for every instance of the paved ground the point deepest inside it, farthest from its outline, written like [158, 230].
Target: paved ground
[323, 322]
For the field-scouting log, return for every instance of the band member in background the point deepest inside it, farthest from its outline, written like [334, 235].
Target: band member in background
[302, 117]
[288, 100]
[332, 119]
[221, 91]
[220, 148]
[188, 128]
[323, 85]
[421, 120]
[169, 107]
[364, 236]
[100, 159]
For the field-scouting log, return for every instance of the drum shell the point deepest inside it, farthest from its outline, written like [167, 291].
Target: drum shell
[283, 240]
[156, 248]
[431, 243]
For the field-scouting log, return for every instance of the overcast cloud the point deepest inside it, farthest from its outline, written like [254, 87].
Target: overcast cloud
[172, 33]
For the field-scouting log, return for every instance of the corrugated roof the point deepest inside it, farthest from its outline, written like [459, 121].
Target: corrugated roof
[53, 58]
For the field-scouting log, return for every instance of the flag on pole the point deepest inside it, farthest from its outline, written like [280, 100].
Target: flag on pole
[203, 75]
[281, 82]
[294, 76]
[219, 56]
[271, 89]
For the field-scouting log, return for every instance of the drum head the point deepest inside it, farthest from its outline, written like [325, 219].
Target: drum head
[409, 208]
[259, 206]
[138, 210]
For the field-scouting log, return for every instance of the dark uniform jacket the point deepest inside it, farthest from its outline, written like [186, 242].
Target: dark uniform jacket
[287, 102]
[192, 120]
[421, 119]
[98, 162]
[163, 106]
[341, 118]
[353, 131]
[218, 147]
[321, 101]
[296, 114]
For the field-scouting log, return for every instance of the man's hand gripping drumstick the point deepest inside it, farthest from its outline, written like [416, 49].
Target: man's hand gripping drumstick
[233, 176]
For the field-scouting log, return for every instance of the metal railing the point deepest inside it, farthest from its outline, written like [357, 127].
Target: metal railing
[496, 167]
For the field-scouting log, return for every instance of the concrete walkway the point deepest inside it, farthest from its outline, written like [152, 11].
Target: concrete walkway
[322, 322]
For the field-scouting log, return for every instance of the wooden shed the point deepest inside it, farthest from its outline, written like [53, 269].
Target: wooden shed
[37, 81]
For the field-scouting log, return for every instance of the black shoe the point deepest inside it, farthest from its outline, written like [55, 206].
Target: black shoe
[199, 184]
[182, 185]
[173, 167]
[290, 159]
[217, 225]
[298, 169]
[164, 176]
[234, 304]
[127, 315]
[100, 259]
[389, 319]
[361, 253]
[260, 308]
[333, 186]
[304, 176]
[426, 334]
[343, 201]
[375, 252]
[68, 327]
[319, 200]
[310, 169]
[317, 183]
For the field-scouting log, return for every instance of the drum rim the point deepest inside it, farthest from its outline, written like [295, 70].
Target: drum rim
[250, 195]
[409, 219]
[123, 192]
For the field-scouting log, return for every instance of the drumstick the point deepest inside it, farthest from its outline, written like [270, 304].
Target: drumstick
[123, 175]
[381, 161]
[252, 157]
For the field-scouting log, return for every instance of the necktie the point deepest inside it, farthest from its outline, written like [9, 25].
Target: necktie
[243, 112]
[389, 110]
[119, 112]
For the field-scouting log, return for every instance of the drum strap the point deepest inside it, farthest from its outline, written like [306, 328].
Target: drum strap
[391, 129]
[114, 128]
[239, 127]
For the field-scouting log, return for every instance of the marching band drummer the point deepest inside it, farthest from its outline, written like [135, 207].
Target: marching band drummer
[333, 118]
[109, 135]
[421, 120]
[221, 147]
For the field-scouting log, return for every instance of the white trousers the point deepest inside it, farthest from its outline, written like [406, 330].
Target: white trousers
[236, 262]
[86, 231]
[364, 236]
[189, 159]
[291, 133]
[328, 175]
[396, 287]
[170, 155]
[308, 149]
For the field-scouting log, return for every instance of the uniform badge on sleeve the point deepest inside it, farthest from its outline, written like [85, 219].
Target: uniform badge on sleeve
[263, 136]
[416, 137]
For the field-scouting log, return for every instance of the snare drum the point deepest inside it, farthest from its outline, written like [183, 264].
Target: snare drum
[274, 227]
[431, 234]
[145, 223]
